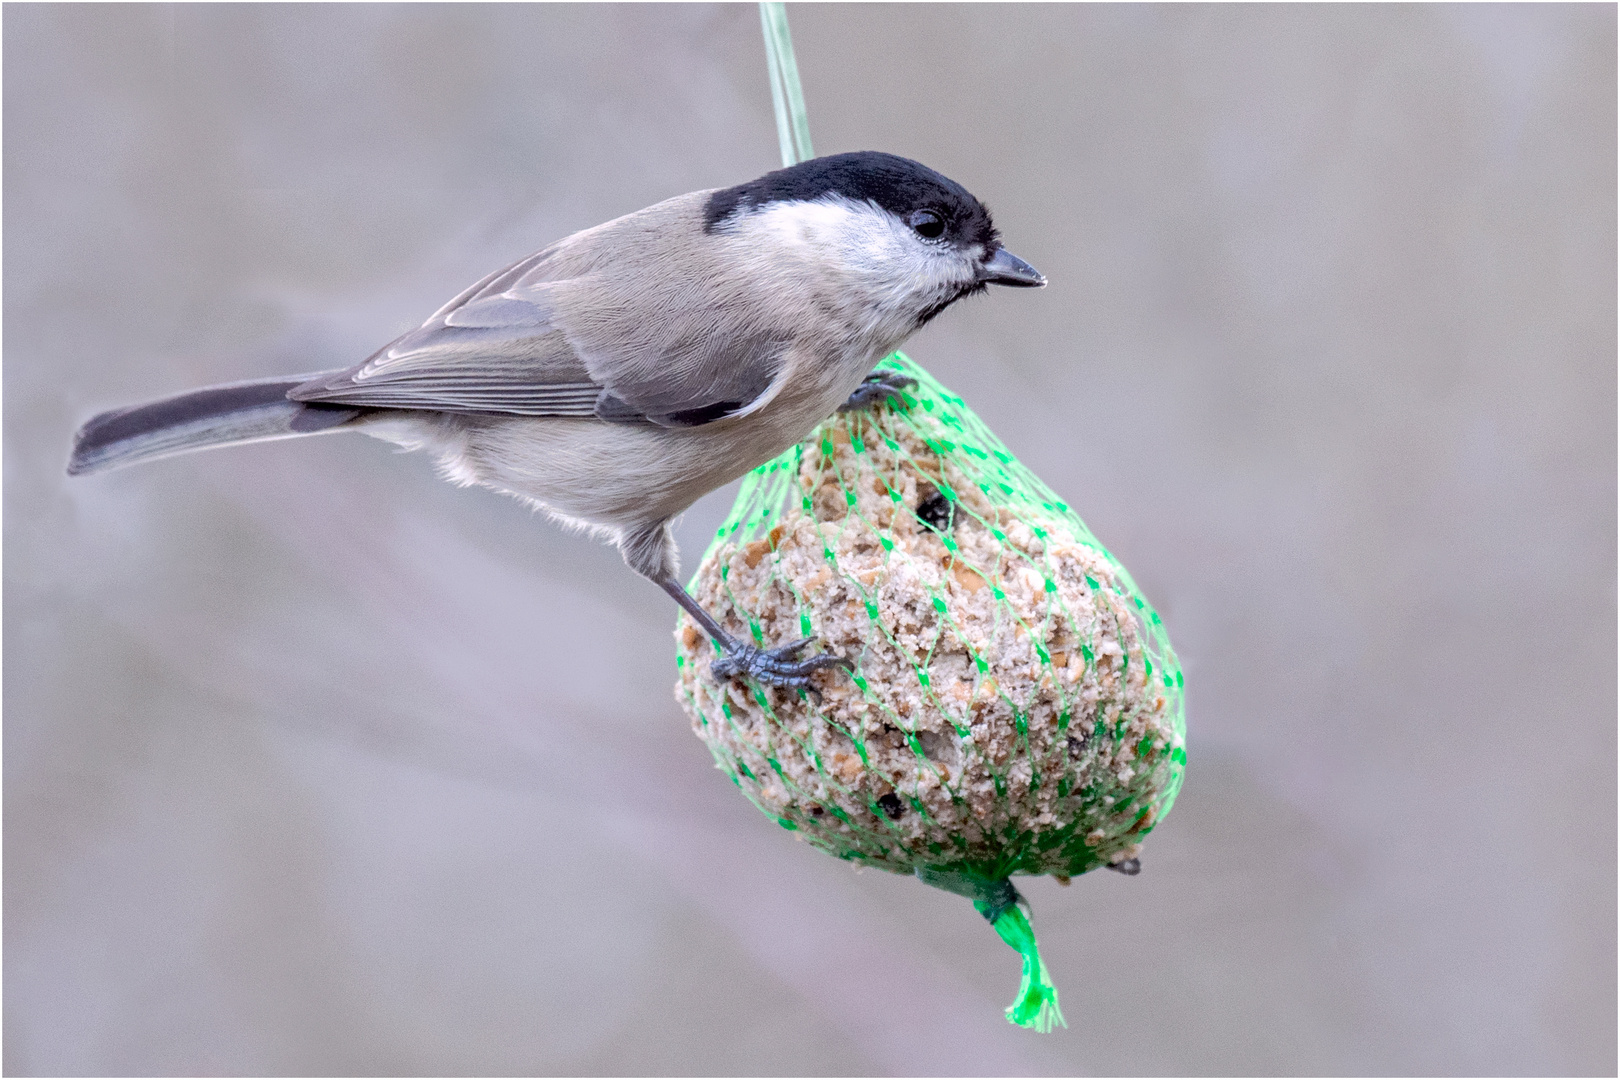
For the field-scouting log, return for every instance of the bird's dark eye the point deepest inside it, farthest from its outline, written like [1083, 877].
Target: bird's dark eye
[926, 224]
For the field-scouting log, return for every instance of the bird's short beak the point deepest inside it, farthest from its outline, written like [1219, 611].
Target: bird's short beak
[1005, 268]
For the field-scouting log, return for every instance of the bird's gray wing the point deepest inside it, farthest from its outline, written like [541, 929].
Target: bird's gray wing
[678, 326]
[493, 349]
[493, 355]
[641, 337]
[684, 380]
[509, 353]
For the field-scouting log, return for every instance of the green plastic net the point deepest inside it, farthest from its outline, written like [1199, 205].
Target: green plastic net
[1015, 706]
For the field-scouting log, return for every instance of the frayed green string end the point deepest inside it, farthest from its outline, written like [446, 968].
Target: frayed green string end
[1037, 1004]
[1000, 903]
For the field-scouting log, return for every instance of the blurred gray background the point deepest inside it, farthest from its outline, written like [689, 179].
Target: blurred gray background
[316, 764]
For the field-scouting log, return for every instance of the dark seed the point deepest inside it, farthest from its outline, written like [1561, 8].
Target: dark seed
[891, 805]
[1078, 746]
[937, 512]
[1130, 867]
[816, 811]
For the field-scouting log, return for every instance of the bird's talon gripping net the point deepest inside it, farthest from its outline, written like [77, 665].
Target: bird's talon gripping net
[1014, 705]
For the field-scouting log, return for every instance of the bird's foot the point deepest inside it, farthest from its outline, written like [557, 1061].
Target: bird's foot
[879, 387]
[775, 667]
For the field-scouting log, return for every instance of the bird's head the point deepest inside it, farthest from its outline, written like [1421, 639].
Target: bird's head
[894, 236]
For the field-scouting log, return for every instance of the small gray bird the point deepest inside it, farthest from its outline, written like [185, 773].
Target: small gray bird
[625, 371]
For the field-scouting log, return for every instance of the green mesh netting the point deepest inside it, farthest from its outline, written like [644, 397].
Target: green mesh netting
[1015, 706]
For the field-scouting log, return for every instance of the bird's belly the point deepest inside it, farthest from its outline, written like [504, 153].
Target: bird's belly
[618, 475]
[609, 474]
[614, 474]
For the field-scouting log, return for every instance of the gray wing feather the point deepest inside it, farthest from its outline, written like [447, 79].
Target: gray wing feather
[624, 322]
[489, 351]
[504, 311]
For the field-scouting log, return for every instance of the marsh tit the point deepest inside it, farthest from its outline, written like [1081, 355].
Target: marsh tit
[620, 374]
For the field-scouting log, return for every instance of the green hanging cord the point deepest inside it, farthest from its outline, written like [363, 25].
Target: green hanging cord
[1008, 912]
[1037, 1003]
[792, 124]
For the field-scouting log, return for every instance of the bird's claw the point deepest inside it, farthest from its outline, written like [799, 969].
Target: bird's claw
[877, 388]
[775, 667]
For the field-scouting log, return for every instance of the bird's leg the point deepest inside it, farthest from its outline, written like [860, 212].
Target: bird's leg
[877, 388]
[773, 667]
[650, 551]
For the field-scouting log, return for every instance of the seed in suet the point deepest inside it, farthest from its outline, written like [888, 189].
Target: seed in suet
[937, 512]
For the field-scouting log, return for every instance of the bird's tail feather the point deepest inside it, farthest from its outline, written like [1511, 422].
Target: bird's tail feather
[240, 412]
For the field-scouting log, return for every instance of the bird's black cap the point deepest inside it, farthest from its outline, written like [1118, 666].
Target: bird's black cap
[899, 185]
